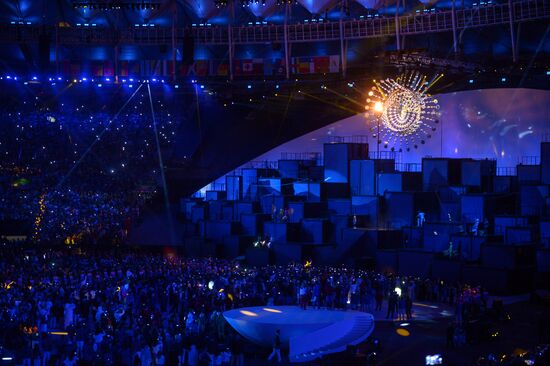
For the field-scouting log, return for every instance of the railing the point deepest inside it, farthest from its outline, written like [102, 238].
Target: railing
[506, 170]
[408, 167]
[301, 156]
[530, 160]
[418, 23]
[384, 155]
[355, 139]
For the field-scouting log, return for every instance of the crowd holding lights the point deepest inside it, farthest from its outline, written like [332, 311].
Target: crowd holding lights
[129, 307]
[72, 170]
[407, 112]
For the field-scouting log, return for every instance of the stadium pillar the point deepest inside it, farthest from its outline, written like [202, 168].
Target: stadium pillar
[174, 49]
[453, 19]
[287, 49]
[343, 43]
[397, 37]
[57, 49]
[117, 70]
[231, 50]
[512, 35]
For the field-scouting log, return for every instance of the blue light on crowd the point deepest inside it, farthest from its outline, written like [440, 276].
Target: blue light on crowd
[176, 86]
[99, 85]
[202, 86]
[548, 72]
[249, 86]
[503, 80]
[34, 78]
[471, 81]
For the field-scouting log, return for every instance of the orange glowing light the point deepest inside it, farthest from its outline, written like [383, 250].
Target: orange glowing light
[402, 332]
[248, 313]
[272, 310]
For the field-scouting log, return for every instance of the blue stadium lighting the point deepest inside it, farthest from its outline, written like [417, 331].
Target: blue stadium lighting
[131, 80]
[15, 78]
[78, 24]
[123, 80]
[201, 25]
[84, 79]
[8, 77]
[277, 86]
[193, 25]
[136, 25]
[25, 83]
[176, 86]
[86, 24]
[28, 23]
[503, 80]
[99, 85]
[249, 86]
[202, 86]
[59, 78]
[154, 80]
[130, 85]
[471, 81]
[548, 72]
[94, 25]
[12, 22]
[250, 23]
[162, 81]
[107, 79]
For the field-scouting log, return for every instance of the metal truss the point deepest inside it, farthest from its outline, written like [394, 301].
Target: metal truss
[412, 24]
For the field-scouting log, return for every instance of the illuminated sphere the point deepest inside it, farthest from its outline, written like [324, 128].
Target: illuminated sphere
[407, 113]
[402, 111]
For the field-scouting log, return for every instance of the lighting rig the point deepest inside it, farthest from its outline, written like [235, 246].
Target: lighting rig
[116, 5]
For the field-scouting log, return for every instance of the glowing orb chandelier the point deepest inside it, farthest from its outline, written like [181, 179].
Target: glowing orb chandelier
[408, 114]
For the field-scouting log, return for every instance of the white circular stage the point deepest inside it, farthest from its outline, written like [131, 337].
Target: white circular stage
[308, 333]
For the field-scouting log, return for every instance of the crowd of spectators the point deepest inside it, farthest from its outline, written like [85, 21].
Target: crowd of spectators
[75, 168]
[130, 308]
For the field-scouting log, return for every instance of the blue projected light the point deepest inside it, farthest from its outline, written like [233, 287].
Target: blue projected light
[249, 86]
[503, 80]
[471, 81]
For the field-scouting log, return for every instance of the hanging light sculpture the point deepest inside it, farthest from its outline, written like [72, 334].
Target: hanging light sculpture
[408, 114]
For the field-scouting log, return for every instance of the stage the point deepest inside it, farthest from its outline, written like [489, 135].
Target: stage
[307, 334]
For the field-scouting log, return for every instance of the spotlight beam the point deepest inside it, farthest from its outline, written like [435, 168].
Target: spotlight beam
[159, 154]
[89, 149]
[329, 103]
[343, 96]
